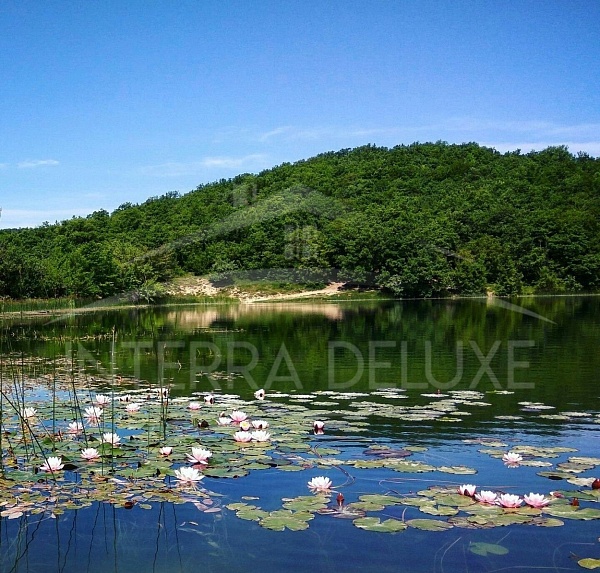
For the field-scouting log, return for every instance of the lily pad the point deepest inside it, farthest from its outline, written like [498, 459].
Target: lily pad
[375, 524]
[485, 549]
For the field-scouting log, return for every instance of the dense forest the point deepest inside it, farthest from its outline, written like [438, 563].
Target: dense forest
[418, 220]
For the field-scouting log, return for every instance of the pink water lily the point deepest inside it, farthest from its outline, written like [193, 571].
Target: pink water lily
[321, 483]
[133, 407]
[467, 489]
[536, 500]
[512, 459]
[260, 436]
[486, 496]
[188, 475]
[165, 451]
[90, 454]
[199, 456]
[319, 427]
[242, 436]
[194, 406]
[52, 464]
[260, 424]
[509, 500]
[259, 394]
[209, 399]
[238, 416]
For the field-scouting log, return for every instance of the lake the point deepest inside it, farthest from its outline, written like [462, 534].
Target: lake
[417, 399]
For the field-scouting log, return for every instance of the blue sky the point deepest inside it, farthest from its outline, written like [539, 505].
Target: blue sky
[108, 102]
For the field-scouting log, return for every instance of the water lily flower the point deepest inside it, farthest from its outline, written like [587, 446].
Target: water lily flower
[75, 428]
[509, 500]
[194, 406]
[224, 421]
[162, 392]
[321, 483]
[536, 500]
[199, 456]
[245, 425]
[261, 436]
[102, 400]
[467, 489]
[90, 454]
[188, 475]
[319, 427]
[165, 451]
[133, 407]
[125, 398]
[209, 399]
[29, 413]
[242, 436]
[93, 413]
[52, 464]
[238, 416]
[113, 439]
[260, 424]
[259, 394]
[486, 496]
[511, 459]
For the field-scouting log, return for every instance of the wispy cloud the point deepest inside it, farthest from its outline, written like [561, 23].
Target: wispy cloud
[16, 218]
[32, 163]
[180, 169]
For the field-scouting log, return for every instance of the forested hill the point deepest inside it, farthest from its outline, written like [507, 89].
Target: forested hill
[419, 220]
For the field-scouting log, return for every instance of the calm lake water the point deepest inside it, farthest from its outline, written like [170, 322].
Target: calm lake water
[457, 381]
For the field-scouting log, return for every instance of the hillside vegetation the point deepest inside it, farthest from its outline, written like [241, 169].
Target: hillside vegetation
[419, 220]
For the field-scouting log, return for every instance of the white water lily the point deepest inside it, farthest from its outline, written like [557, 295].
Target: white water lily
[102, 400]
[224, 421]
[319, 427]
[194, 405]
[93, 413]
[29, 413]
[242, 436]
[209, 399]
[75, 427]
[52, 464]
[110, 438]
[260, 424]
[165, 451]
[467, 489]
[536, 500]
[90, 454]
[259, 394]
[188, 475]
[260, 436]
[133, 407]
[199, 456]
[245, 425]
[320, 483]
[238, 416]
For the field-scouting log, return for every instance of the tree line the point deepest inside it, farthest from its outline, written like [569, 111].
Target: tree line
[420, 220]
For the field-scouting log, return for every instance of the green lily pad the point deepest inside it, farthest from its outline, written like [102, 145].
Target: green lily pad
[485, 549]
[429, 524]
[374, 524]
[589, 563]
